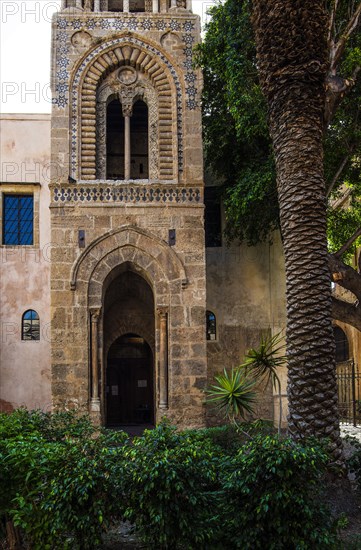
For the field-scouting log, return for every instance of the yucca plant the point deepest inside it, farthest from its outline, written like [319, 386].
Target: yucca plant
[262, 363]
[233, 394]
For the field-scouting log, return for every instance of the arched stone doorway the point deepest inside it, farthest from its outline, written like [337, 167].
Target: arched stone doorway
[129, 382]
[129, 339]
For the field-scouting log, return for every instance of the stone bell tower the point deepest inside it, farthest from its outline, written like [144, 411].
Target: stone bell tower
[128, 259]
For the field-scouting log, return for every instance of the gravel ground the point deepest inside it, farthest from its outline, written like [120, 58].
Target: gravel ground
[348, 429]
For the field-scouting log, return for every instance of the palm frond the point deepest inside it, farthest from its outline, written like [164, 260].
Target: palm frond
[262, 362]
[233, 393]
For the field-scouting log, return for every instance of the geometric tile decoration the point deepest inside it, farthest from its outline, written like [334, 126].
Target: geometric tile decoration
[136, 194]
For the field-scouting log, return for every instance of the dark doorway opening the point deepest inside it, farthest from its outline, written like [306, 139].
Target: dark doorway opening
[130, 382]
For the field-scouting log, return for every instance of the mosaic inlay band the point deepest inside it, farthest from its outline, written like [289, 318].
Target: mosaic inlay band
[127, 194]
[119, 24]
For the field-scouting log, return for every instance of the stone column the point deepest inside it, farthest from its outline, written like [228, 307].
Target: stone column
[126, 6]
[96, 5]
[127, 147]
[94, 401]
[101, 159]
[173, 3]
[155, 6]
[79, 4]
[189, 5]
[63, 4]
[163, 358]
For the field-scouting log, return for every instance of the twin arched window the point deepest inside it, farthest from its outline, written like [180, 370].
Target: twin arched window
[30, 325]
[127, 141]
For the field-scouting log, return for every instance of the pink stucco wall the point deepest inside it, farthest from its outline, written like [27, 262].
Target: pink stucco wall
[24, 270]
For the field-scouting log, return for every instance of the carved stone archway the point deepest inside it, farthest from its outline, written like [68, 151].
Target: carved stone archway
[98, 266]
[161, 75]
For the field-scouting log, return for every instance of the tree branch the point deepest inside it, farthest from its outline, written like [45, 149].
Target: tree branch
[348, 243]
[337, 175]
[341, 44]
[346, 312]
[345, 276]
[332, 20]
[336, 88]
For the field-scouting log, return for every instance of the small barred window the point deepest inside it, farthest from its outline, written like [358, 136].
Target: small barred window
[211, 325]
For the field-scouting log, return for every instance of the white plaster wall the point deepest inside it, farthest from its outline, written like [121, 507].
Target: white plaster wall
[25, 270]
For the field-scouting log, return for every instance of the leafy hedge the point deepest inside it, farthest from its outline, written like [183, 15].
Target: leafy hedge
[56, 481]
[63, 483]
[171, 487]
[270, 492]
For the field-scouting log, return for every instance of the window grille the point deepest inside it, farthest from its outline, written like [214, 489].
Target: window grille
[18, 216]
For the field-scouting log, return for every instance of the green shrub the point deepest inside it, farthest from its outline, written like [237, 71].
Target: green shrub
[59, 488]
[270, 499]
[354, 462]
[170, 486]
[52, 426]
[207, 489]
[225, 439]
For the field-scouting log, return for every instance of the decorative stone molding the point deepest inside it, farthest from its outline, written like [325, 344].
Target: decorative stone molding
[128, 324]
[125, 194]
[63, 64]
[150, 63]
[152, 253]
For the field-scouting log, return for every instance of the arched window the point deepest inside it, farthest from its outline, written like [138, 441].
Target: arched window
[342, 351]
[30, 325]
[139, 141]
[127, 141]
[211, 325]
[115, 141]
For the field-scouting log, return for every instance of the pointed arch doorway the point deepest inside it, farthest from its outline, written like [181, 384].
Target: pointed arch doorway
[129, 346]
[129, 382]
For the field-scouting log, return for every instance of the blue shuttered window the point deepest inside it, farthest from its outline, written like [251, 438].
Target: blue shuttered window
[18, 216]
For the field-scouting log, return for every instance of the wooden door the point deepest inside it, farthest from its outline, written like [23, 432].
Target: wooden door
[129, 391]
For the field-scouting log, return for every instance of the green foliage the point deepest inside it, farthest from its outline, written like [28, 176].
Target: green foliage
[228, 439]
[170, 481]
[270, 491]
[51, 426]
[262, 362]
[237, 143]
[56, 482]
[354, 462]
[233, 394]
[205, 489]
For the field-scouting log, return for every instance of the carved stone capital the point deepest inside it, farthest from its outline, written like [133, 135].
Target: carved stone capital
[162, 312]
[95, 314]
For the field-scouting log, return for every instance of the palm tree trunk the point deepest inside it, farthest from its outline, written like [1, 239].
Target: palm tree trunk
[292, 56]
